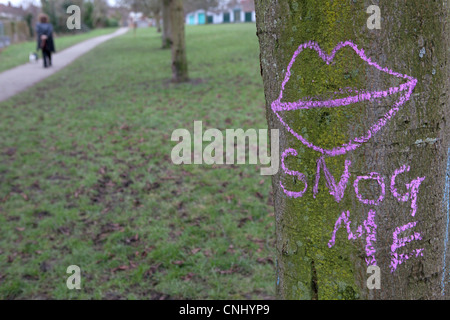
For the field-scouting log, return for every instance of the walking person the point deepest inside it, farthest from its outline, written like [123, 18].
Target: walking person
[44, 31]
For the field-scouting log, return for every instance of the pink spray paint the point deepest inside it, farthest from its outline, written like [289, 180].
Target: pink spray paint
[371, 176]
[337, 191]
[396, 258]
[413, 188]
[368, 227]
[300, 176]
[405, 88]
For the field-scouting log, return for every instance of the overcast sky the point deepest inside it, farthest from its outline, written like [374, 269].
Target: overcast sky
[18, 2]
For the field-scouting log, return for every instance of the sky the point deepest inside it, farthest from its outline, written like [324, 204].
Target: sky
[18, 2]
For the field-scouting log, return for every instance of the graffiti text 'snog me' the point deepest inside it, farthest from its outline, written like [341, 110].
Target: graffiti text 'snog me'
[349, 97]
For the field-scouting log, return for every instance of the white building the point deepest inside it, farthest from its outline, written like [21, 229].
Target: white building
[237, 11]
[139, 19]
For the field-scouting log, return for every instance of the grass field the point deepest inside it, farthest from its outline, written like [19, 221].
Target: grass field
[17, 54]
[86, 176]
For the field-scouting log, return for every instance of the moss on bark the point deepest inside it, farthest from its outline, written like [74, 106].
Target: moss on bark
[307, 267]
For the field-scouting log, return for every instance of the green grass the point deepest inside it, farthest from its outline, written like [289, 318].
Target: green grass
[86, 177]
[17, 54]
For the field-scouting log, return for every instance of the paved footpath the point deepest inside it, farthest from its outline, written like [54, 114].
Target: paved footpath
[20, 78]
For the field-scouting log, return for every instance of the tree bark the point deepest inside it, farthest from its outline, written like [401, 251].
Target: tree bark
[167, 32]
[362, 118]
[158, 21]
[179, 60]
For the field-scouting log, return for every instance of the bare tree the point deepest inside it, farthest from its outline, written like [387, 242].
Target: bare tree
[56, 10]
[100, 12]
[361, 101]
[179, 60]
[166, 34]
[156, 10]
[150, 8]
[173, 35]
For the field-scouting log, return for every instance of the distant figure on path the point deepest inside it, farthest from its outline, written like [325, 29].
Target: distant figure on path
[44, 31]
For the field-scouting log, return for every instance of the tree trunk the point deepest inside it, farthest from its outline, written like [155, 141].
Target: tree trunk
[158, 21]
[206, 16]
[179, 61]
[167, 32]
[363, 137]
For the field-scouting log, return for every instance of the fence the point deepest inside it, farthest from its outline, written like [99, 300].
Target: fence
[12, 32]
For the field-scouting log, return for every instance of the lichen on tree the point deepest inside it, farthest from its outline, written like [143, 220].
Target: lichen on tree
[307, 267]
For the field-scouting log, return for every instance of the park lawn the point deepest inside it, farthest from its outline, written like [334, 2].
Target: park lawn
[86, 176]
[18, 54]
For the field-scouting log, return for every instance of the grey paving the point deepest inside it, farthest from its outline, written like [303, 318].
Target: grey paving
[20, 78]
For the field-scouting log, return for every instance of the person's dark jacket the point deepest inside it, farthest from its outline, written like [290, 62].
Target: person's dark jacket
[45, 29]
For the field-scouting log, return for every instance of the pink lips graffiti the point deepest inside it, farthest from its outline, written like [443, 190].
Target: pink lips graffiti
[405, 88]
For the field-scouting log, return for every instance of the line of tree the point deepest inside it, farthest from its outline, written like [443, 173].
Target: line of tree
[172, 13]
[94, 13]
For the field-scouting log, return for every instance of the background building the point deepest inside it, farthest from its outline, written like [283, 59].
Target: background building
[16, 23]
[228, 12]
